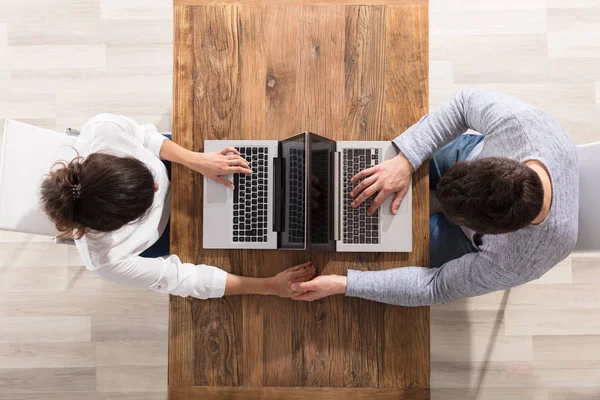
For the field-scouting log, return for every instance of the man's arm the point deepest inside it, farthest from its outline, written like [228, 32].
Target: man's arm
[470, 275]
[484, 111]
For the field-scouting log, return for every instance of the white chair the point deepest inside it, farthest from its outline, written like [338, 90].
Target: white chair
[589, 198]
[27, 154]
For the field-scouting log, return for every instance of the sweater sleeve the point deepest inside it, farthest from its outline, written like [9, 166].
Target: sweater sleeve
[470, 275]
[484, 111]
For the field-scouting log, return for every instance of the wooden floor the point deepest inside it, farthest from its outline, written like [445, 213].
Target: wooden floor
[66, 335]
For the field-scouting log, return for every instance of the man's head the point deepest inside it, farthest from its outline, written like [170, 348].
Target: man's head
[101, 192]
[492, 195]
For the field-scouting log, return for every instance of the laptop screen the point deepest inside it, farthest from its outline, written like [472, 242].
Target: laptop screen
[308, 206]
[293, 153]
[321, 195]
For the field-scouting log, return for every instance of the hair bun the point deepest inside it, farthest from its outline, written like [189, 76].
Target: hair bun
[67, 175]
[60, 192]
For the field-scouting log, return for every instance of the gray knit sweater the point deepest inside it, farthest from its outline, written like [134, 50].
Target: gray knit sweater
[512, 129]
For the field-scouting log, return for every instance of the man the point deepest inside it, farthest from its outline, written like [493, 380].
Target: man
[509, 199]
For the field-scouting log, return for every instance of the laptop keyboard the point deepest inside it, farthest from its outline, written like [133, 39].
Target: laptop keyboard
[358, 227]
[296, 218]
[250, 198]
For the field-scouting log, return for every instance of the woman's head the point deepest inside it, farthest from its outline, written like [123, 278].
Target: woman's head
[99, 192]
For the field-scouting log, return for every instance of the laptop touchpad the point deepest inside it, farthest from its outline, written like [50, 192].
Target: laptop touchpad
[216, 192]
[387, 204]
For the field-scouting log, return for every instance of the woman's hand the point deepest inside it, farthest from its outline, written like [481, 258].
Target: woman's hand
[280, 284]
[215, 165]
[321, 286]
[391, 176]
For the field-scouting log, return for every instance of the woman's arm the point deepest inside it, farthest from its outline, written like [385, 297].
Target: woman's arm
[173, 152]
[170, 275]
[105, 125]
[278, 285]
[211, 165]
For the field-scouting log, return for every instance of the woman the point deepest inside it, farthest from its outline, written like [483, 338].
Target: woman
[113, 199]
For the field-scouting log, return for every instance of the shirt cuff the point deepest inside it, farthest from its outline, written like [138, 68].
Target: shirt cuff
[210, 282]
[404, 147]
[219, 283]
[155, 143]
[353, 278]
[406, 144]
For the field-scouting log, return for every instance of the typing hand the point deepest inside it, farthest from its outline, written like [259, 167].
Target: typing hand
[321, 286]
[391, 176]
[215, 165]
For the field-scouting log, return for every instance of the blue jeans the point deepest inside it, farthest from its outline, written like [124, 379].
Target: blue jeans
[448, 241]
[162, 247]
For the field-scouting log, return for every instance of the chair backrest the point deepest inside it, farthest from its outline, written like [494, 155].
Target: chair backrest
[589, 197]
[27, 154]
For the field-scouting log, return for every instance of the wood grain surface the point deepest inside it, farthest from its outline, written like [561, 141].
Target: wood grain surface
[271, 71]
[300, 2]
[270, 393]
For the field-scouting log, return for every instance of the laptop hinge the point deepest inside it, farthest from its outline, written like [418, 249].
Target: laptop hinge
[278, 194]
[336, 193]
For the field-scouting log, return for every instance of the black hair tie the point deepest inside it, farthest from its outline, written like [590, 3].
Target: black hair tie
[76, 191]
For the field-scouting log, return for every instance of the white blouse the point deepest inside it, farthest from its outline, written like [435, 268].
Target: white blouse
[115, 255]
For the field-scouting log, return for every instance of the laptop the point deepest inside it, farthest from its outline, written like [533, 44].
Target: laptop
[298, 197]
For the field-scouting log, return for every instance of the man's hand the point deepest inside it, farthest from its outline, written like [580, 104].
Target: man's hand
[391, 176]
[215, 165]
[321, 286]
[280, 284]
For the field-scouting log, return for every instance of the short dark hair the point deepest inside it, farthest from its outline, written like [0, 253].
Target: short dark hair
[100, 192]
[491, 195]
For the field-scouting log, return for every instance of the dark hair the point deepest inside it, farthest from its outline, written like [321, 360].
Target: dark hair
[99, 192]
[491, 195]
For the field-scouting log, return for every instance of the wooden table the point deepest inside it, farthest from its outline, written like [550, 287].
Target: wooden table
[270, 69]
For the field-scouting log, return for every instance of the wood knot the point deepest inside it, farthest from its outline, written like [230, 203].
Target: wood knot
[213, 346]
[316, 50]
[363, 124]
[271, 81]
[364, 100]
